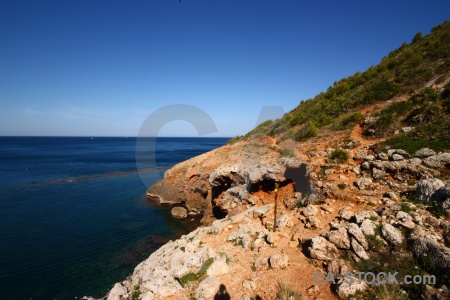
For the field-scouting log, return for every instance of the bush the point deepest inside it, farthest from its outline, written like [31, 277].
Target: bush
[348, 120]
[287, 152]
[339, 156]
[305, 132]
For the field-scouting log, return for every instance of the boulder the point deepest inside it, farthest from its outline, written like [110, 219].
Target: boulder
[279, 261]
[359, 250]
[338, 267]
[355, 232]
[323, 249]
[208, 287]
[378, 174]
[397, 157]
[382, 156]
[340, 238]
[436, 254]
[425, 152]
[179, 212]
[349, 286]
[437, 161]
[427, 187]
[363, 183]
[310, 210]
[365, 214]
[405, 219]
[392, 234]
[314, 221]
[368, 227]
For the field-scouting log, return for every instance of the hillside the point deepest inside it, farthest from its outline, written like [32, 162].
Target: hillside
[354, 180]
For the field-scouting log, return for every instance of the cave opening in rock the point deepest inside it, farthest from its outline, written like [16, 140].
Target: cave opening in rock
[219, 213]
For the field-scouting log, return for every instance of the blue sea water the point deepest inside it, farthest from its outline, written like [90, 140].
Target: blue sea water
[74, 216]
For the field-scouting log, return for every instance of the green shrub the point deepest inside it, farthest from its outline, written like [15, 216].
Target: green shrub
[305, 132]
[286, 152]
[339, 156]
[348, 120]
[285, 292]
[135, 294]
[342, 186]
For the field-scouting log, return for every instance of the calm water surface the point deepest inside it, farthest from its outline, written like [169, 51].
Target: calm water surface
[74, 218]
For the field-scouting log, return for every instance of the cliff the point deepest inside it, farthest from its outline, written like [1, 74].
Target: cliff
[354, 180]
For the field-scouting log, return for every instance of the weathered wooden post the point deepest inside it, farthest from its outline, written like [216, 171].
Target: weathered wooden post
[275, 216]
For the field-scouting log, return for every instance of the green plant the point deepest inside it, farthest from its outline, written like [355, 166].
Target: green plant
[285, 292]
[135, 294]
[195, 276]
[183, 249]
[405, 207]
[305, 132]
[287, 152]
[338, 156]
[342, 186]
[389, 292]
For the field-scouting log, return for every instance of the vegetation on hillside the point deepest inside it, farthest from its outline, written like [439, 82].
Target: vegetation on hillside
[405, 70]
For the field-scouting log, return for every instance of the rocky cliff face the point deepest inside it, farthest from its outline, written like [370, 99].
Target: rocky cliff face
[381, 210]
[224, 181]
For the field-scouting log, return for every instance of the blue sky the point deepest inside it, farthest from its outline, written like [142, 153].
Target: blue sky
[100, 68]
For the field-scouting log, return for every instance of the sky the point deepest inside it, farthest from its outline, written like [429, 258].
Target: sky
[104, 68]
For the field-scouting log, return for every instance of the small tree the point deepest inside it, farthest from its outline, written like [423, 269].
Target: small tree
[417, 37]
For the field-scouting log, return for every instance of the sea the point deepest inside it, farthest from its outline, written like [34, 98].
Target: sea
[74, 218]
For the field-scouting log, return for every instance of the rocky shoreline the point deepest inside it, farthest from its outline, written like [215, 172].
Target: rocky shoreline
[332, 218]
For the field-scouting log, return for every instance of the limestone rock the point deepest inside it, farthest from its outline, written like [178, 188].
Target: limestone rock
[368, 227]
[323, 249]
[338, 267]
[365, 214]
[397, 157]
[179, 212]
[363, 183]
[359, 249]
[310, 210]
[355, 232]
[340, 238]
[405, 220]
[262, 211]
[218, 267]
[284, 221]
[437, 161]
[378, 174]
[279, 261]
[314, 221]
[382, 156]
[208, 287]
[346, 213]
[118, 292]
[272, 237]
[350, 286]
[436, 253]
[427, 187]
[425, 152]
[392, 234]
